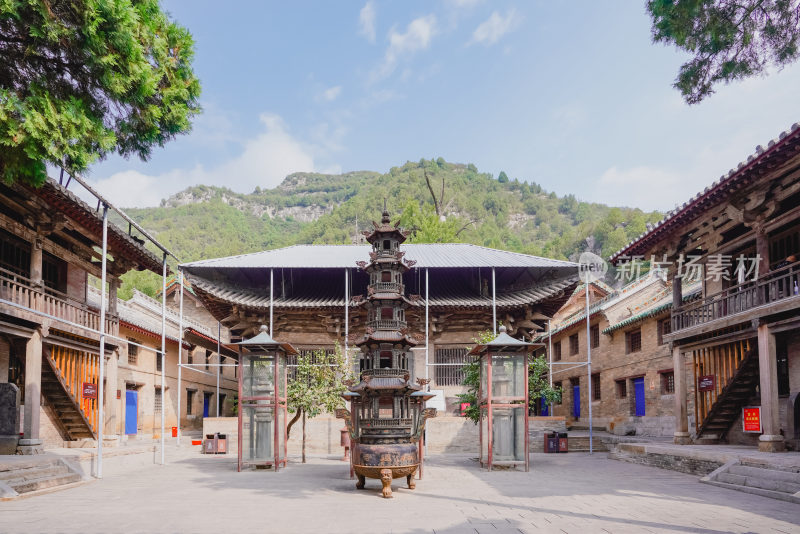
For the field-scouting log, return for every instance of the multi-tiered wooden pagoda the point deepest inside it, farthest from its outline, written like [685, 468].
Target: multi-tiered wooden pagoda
[387, 410]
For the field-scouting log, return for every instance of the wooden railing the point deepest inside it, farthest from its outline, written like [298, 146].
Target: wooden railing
[774, 287]
[385, 372]
[387, 287]
[387, 324]
[722, 362]
[76, 368]
[21, 290]
[386, 423]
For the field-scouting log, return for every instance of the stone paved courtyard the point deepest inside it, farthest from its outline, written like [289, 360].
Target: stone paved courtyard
[562, 493]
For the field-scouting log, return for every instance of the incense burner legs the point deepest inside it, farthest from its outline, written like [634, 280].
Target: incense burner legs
[386, 480]
[385, 475]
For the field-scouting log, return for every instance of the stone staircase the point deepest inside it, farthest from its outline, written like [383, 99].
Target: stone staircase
[728, 407]
[776, 483]
[27, 475]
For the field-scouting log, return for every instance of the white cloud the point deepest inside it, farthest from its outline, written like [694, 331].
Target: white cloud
[644, 187]
[263, 161]
[492, 29]
[331, 93]
[366, 21]
[464, 4]
[417, 37]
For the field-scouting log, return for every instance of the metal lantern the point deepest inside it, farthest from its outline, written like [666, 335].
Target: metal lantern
[503, 400]
[262, 401]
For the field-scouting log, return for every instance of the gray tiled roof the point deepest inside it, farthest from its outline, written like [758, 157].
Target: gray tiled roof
[430, 255]
[323, 296]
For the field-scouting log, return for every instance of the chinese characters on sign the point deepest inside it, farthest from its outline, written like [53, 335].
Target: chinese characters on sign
[706, 383]
[89, 390]
[751, 419]
[717, 267]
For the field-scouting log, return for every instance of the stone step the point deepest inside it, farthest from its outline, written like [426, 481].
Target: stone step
[764, 473]
[20, 476]
[46, 482]
[33, 471]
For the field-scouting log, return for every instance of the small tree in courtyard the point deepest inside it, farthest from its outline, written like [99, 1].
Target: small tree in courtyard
[538, 383]
[316, 388]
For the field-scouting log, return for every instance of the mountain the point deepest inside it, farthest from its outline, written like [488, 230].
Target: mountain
[439, 201]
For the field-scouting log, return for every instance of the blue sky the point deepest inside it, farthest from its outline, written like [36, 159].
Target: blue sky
[571, 95]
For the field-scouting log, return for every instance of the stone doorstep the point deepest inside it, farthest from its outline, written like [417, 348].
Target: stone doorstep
[32, 473]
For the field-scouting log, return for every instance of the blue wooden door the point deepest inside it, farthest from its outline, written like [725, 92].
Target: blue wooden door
[638, 393]
[205, 405]
[576, 401]
[131, 410]
[544, 410]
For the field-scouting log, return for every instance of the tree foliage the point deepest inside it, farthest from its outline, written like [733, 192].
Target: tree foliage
[82, 79]
[729, 40]
[317, 387]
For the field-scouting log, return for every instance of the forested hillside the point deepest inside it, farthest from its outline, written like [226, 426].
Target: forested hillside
[439, 201]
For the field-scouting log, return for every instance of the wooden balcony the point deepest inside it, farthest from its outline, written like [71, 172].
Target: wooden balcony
[387, 324]
[21, 291]
[387, 287]
[777, 292]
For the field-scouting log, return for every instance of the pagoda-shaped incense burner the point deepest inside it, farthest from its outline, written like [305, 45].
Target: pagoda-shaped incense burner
[388, 411]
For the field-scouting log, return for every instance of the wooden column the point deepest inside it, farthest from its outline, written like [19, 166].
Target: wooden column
[36, 261]
[113, 287]
[5, 359]
[677, 293]
[681, 436]
[762, 250]
[771, 439]
[33, 395]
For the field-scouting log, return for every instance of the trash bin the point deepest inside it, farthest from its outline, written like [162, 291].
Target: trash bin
[551, 443]
[563, 443]
[210, 444]
[222, 443]
[174, 431]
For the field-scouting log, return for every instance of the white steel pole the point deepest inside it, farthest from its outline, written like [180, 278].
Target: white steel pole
[219, 361]
[589, 364]
[347, 318]
[100, 385]
[180, 354]
[163, 345]
[427, 326]
[494, 305]
[271, 332]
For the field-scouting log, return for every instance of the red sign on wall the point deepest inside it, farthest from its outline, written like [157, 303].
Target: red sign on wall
[706, 382]
[751, 419]
[89, 390]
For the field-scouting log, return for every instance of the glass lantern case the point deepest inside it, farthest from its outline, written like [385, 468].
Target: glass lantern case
[503, 401]
[262, 401]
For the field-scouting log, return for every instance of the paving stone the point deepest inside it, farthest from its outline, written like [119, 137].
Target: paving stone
[562, 493]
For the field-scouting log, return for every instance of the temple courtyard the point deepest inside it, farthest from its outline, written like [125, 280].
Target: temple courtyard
[572, 492]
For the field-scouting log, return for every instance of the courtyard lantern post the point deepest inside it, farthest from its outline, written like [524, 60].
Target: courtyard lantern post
[262, 401]
[503, 400]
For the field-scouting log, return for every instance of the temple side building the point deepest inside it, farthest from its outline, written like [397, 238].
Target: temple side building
[632, 382]
[49, 330]
[737, 348]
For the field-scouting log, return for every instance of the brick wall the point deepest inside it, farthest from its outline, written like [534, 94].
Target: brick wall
[612, 361]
